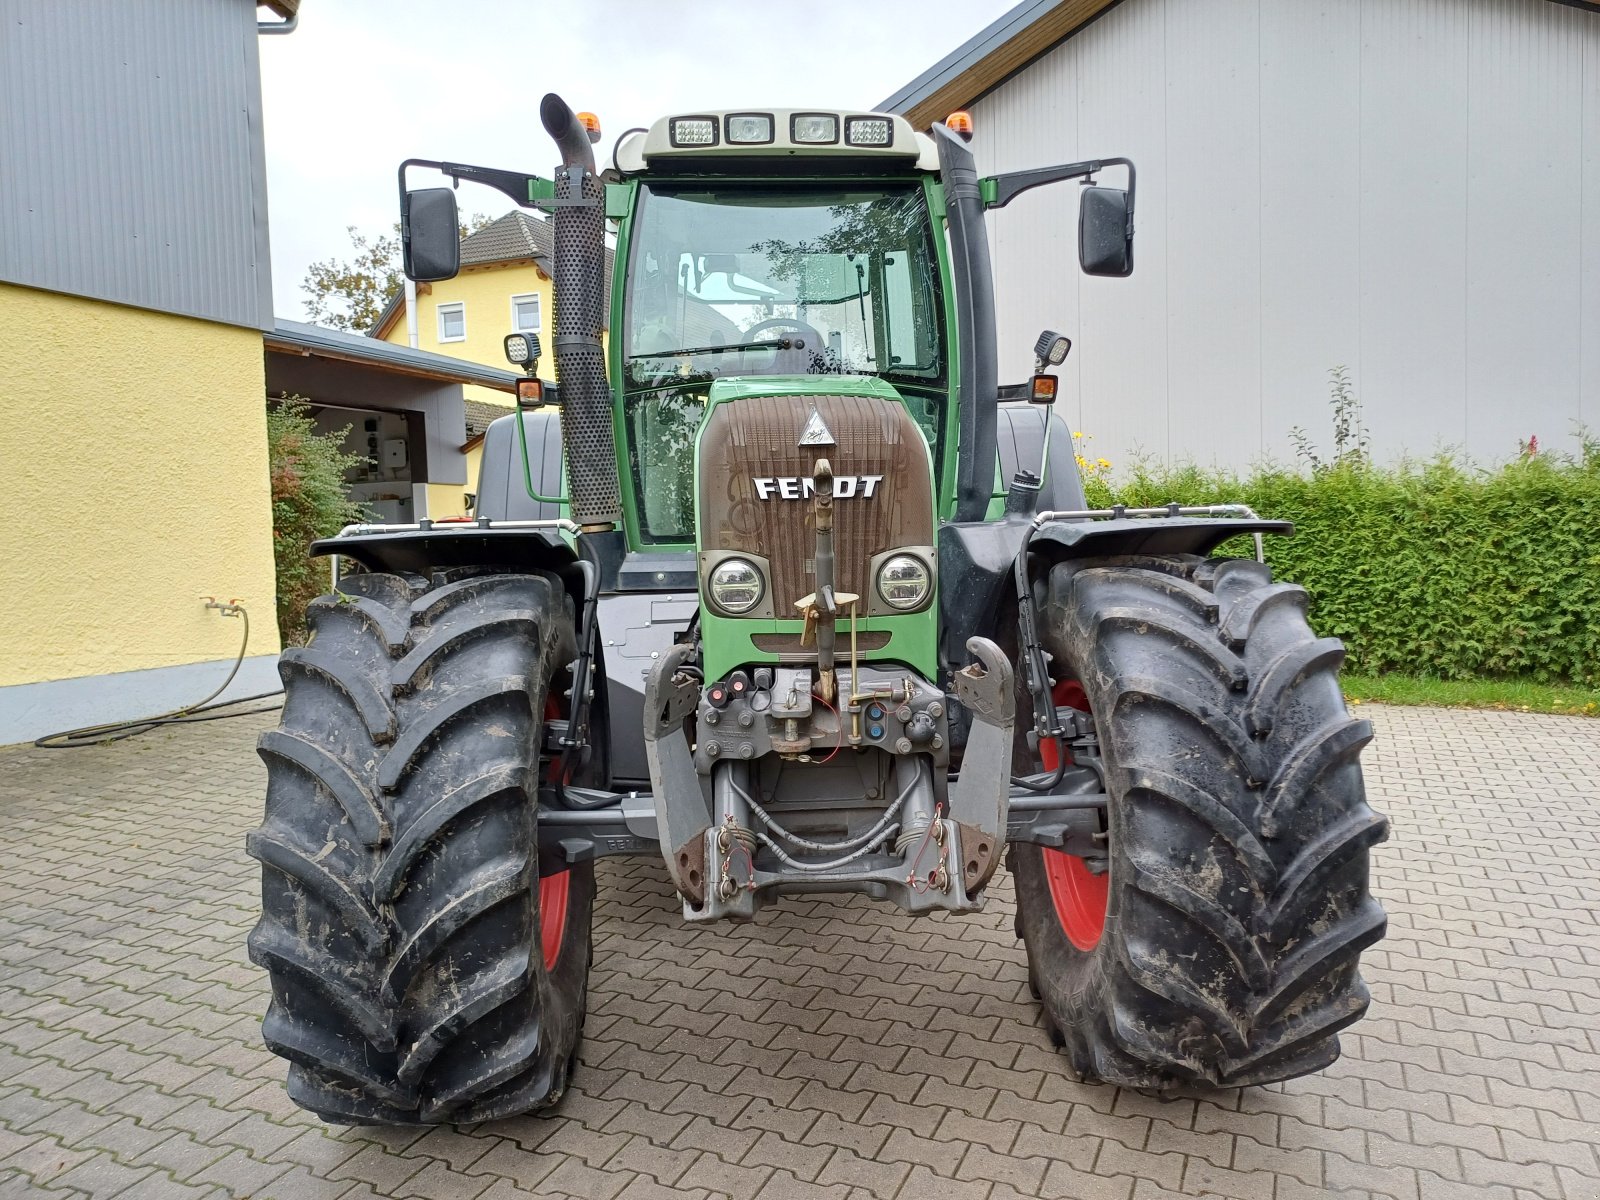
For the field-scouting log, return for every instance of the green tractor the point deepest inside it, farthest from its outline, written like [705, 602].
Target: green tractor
[779, 583]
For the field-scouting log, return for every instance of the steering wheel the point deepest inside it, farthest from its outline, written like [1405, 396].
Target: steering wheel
[787, 323]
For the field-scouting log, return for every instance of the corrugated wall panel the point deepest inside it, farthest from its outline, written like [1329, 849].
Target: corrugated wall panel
[1213, 226]
[1034, 239]
[1407, 188]
[1310, 212]
[1589, 251]
[1524, 216]
[1413, 240]
[131, 151]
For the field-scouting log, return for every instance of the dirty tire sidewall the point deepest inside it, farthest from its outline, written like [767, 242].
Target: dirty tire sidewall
[400, 866]
[1239, 897]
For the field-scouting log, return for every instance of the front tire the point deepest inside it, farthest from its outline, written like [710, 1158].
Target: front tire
[1222, 946]
[426, 965]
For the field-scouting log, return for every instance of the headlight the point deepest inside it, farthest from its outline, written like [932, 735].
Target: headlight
[736, 586]
[814, 129]
[748, 129]
[904, 582]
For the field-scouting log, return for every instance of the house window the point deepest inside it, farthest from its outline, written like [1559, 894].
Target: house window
[525, 313]
[452, 322]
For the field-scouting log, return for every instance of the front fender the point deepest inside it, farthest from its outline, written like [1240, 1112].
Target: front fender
[450, 545]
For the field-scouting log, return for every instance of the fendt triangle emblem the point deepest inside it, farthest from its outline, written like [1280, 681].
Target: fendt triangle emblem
[816, 432]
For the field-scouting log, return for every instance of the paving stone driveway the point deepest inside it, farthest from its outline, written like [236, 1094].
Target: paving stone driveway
[832, 1049]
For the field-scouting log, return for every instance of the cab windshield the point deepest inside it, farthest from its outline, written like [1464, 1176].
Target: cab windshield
[728, 279]
[745, 280]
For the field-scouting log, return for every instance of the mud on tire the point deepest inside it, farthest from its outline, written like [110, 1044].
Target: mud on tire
[401, 885]
[1238, 901]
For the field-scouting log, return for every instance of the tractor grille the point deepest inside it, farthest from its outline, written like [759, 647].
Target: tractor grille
[758, 438]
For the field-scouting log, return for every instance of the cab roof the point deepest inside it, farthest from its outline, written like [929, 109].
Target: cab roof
[713, 136]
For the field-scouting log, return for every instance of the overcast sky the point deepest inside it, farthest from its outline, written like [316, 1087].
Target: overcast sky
[363, 84]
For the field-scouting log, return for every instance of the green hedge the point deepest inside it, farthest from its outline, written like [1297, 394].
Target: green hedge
[1431, 569]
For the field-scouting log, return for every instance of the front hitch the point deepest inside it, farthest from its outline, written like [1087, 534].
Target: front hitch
[980, 797]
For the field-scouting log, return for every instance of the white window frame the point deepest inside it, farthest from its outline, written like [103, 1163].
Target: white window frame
[455, 306]
[538, 301]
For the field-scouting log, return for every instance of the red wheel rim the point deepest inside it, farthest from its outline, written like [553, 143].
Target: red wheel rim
[552, 915]
[1079, 896]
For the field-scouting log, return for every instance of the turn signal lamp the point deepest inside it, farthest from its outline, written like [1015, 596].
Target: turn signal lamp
[960, 124]
[591, 125]
[530, 393]
[1044, 389]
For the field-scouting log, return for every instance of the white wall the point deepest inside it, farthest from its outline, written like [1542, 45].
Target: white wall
[1409, 188]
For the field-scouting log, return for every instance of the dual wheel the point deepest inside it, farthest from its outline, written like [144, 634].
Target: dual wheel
[427, 963]
[1221, 946]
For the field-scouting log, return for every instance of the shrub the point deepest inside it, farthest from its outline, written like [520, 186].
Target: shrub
[308, 501]
[1435, 568]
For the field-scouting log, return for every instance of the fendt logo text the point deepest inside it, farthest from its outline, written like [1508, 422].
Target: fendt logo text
[798, 487]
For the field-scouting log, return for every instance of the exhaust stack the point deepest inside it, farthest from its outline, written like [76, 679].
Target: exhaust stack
[578, 227]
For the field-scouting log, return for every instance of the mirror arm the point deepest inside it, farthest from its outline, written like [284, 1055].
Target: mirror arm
[1001, 190]
[526, 190]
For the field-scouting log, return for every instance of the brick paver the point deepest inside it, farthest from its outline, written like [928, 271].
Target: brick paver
[834, 1049]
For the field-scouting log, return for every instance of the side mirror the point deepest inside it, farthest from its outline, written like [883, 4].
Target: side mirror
[430, 234]
[1105, 235]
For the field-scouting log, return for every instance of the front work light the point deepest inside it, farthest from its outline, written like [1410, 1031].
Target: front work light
[1052, 348]
[748, 129]
[522, 348]
[904, 582]
[693, 131]
[736, 586]
[814, 129]
[868, 131]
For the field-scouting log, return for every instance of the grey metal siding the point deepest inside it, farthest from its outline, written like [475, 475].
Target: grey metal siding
[131, 160]
[1407, 188]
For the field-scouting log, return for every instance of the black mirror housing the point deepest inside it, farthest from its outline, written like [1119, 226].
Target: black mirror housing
[430, 234]
[1105, 234]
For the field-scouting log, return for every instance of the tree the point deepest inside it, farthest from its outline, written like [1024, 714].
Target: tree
[351, 293]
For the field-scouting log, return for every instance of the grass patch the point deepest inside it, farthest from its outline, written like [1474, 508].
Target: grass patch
[1508, 695]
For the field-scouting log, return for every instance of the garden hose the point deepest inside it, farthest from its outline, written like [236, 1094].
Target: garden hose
[202, 710]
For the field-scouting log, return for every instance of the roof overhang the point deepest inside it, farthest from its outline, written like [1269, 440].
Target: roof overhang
[981, 64]
[286, 9]
[316, 341]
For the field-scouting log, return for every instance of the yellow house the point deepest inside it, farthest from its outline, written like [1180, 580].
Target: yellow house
[142, 308]
[137, 534]
[504, 287]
